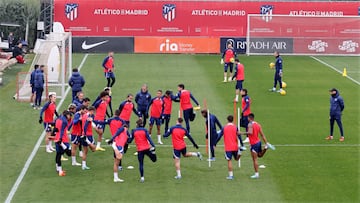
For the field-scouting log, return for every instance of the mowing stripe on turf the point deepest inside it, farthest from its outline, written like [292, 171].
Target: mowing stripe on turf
[335, 69]
[278, 145]
[36, 147]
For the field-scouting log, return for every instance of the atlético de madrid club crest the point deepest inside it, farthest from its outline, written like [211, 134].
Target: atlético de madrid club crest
[71, 11]
[266, 12]
[169, 12]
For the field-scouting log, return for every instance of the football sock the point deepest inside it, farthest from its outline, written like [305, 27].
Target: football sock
[231, 173]
[178, 173]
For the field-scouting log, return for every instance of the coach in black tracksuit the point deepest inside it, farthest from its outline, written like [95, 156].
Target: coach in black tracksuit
[76, 82]
[142, 100]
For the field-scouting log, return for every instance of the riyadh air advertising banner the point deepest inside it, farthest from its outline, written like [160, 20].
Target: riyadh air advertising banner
[180, 18]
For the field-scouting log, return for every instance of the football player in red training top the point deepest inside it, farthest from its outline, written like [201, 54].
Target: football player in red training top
[144, 146]
[168, 98]
[115, 123]
[185, 104]
[101, 107]
[62, 140]
[126, 108]
[76, 133]
[227, 58]
[108, 65]
[157, 110]
[87, 139]
[254, 129]
[246, 110]
[240, 77]
[49, 110]
[231, 146]
[118, 142]
[178, 133]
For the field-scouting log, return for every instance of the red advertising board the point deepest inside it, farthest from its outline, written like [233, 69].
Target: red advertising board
[326, 46]
[176, 45]
[180, 18]
[304, 26]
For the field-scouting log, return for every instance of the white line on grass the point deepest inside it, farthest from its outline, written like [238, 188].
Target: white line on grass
[335, 69]
[36, 148]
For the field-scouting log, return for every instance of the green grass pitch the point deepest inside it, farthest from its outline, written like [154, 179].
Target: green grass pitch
[304, 167]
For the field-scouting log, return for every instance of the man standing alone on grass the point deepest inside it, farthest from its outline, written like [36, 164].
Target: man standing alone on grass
[278, 72]
[227, 59]
[108, 65]
[336, 108]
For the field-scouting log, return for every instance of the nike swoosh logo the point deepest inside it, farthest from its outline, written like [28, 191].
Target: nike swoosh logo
[90, 46]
